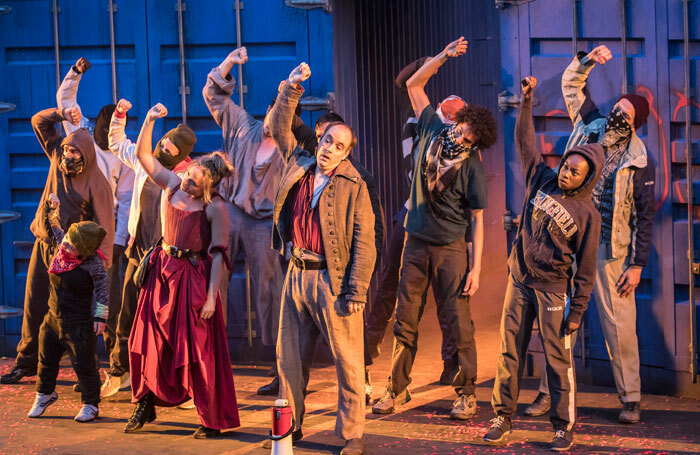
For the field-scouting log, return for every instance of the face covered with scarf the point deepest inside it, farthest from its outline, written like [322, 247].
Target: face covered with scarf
[618, 123]
[72, 162]
[458, 139]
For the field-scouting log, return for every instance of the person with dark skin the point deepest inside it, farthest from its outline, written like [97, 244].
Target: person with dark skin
[560, 227]
[85, 195]
[448, 179]
[625, 199]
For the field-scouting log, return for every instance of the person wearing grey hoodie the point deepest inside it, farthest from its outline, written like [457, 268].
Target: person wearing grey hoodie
[560, 226]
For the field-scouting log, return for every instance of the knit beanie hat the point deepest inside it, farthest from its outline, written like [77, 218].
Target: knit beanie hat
[641, 108]
[184, 139]
[86, 236]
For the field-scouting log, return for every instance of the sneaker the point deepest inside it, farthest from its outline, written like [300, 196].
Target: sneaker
[17, 373]
[389, 400]
[206, 433]
[563, 440]
[540, 406]
[463, 408]
[189, 404]
[111, 386]
[87, 413]
[296, 436]
[41, 402]
[500, 428]
[631, 412]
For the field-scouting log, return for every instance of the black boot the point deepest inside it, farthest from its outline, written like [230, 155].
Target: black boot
[270, 389]
[17, 373]
[144, 412]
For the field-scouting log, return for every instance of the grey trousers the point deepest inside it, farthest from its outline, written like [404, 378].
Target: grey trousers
[618, 319]
[252, 236]
[522, 305]
[308, 305]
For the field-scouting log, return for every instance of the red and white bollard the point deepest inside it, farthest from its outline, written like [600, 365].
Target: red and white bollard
[282, 428]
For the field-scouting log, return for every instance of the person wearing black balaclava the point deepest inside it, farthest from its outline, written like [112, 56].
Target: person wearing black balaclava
[84, 195]
[625, 199]
[144, 227]
[119, 177]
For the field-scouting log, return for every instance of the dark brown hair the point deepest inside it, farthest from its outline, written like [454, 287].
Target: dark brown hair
[481, 122]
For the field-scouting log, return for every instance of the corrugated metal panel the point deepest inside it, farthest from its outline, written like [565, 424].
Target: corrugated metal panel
[388, 36]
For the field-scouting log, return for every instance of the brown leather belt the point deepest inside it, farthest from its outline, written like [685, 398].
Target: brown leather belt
[176, 252]
[309, 265]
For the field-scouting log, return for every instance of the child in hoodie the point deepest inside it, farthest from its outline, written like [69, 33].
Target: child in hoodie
[77, 272]
[559, 226]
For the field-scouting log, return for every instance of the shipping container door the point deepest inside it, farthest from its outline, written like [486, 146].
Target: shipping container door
[28, 80]
[277, 38]
[533, 42]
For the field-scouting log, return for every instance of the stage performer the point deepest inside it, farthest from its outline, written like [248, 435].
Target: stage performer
[178, 347]
[560, 227]
[448, 194]
[121, 181]
[625, 199]
[144, 228]
[77, 274]
[85, 195]
[324, 209]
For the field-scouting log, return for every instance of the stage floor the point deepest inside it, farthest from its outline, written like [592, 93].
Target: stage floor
[670, 425]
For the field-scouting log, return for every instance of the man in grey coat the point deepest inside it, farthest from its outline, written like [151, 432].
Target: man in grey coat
[323, 208]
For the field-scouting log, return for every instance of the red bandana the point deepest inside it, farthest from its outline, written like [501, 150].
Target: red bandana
[63, 262]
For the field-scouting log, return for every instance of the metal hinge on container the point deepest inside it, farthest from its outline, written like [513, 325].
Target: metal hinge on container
[309, 4]
[7, 107]
[503, 4]
[696, 268]
[312, 103]
[506, 101]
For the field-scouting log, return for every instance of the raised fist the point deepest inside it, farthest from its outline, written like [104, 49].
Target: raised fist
[83, 65]
[300, 74]
[239, 56]
[123, 106]
[156, 112]
[53, 201]
[456, 48]
[600, 54]
[529, 84]
[73, 115]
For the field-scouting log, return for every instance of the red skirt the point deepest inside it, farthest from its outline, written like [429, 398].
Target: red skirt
[173, 352]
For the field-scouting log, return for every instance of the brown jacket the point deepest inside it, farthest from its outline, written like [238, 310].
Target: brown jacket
[347, 220]
[84, 197]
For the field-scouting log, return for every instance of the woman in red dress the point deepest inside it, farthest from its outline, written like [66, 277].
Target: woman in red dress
[178, 348]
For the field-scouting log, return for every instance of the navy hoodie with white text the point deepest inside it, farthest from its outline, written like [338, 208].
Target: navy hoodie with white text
[557, 228]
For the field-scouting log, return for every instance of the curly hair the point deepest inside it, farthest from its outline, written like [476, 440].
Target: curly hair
[481, 122]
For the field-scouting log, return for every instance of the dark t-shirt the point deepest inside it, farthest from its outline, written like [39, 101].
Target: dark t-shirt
[467, 191]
